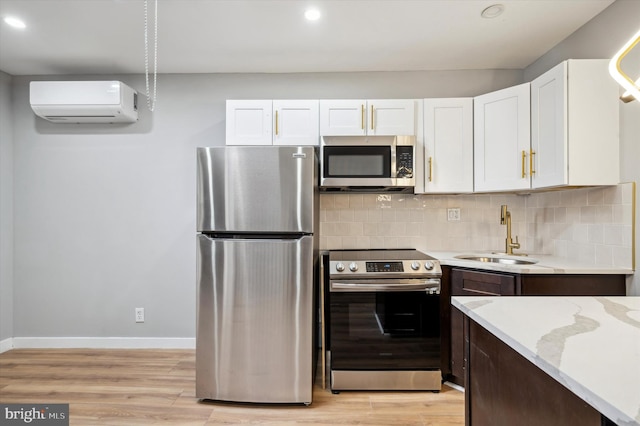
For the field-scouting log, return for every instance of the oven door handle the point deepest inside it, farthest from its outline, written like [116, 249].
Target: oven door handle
[432, 285]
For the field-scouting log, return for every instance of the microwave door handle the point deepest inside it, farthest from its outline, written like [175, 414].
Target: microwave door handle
[394, 170]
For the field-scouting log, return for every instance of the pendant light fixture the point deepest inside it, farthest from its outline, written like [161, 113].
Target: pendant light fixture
[632, 87]
[151, 100]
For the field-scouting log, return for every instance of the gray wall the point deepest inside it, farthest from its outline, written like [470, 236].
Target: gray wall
[6, 208]
[602, 37]
[105, 214]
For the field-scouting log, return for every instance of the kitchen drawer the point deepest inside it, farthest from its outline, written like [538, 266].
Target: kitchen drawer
[474, 283]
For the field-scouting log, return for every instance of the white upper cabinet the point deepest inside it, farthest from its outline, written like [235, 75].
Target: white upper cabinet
[249, 122]
[502, 139]
[448, 145]
[343, 117]
[548, 115]
[277, 122]
[347, 117]
[391, 117]
[574, 125]
[296, 122]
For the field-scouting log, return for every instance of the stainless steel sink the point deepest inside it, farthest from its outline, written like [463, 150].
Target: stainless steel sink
[503, 260]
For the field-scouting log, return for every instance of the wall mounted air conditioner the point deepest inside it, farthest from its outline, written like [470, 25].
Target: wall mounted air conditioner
[84, 101]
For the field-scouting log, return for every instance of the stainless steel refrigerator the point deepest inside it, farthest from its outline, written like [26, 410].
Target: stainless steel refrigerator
[256, 255]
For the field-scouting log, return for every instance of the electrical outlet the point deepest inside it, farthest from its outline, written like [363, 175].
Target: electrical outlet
[453, 215]
[139, 314]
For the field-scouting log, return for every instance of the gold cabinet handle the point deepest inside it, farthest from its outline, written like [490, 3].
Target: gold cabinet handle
[276, 122]
[524, 154]
[532, 170]
[372, 117]
[362, 116]
[430, 169]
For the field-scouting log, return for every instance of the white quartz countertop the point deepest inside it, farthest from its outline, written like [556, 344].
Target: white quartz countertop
[545, 264]
[591, 345]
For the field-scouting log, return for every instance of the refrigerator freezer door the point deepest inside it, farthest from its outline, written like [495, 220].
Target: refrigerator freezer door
[256, 189]
[255, 320]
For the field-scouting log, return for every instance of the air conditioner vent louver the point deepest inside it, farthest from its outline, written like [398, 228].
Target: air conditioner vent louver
[84, 101]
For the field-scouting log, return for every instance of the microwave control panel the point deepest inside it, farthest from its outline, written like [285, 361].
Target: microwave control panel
[404, 161]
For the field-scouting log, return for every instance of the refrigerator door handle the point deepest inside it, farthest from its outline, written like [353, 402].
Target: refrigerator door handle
[248, 236]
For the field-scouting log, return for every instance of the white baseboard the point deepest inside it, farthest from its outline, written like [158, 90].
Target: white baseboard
[99, 343]
[6, 344]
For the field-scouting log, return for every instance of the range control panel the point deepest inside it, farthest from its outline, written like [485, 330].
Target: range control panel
[406, 268]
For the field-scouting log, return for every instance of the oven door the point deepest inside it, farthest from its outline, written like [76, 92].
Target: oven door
[384, 329]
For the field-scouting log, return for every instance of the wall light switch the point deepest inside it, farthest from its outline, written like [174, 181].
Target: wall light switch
[453, 215]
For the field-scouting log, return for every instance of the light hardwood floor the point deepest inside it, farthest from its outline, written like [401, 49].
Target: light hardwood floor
[142, 387]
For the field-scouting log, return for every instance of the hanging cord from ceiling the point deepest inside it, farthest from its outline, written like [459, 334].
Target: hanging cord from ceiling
[151, 100]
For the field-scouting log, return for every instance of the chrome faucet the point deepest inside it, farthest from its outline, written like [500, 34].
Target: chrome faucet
[505, 219]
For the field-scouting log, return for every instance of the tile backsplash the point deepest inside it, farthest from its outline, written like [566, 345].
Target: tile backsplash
[585, 224]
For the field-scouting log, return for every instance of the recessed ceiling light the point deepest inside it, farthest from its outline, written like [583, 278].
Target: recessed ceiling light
[492, 11]
[15, 22]
[312, 14]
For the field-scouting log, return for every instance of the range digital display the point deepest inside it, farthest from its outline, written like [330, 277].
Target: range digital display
[384, 267]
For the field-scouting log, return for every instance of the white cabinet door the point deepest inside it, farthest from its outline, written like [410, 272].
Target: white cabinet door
[548, 131]
[358, 117]
[502, 139]
[248, 122]
[343, 117]
[295, 122]
[575, 125]
[448, 136]
[391, 117]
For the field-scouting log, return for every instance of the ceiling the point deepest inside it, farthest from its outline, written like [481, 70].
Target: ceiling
[219, 36]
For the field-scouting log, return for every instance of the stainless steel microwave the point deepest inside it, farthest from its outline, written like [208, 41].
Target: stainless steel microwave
[367, 163]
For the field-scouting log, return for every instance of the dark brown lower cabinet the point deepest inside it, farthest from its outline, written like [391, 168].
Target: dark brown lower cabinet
[472, 282]
[504, 388]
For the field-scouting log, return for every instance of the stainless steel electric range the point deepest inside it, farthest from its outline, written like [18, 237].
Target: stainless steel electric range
[384, 320]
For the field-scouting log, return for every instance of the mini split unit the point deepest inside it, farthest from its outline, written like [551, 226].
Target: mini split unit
[84, 101]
